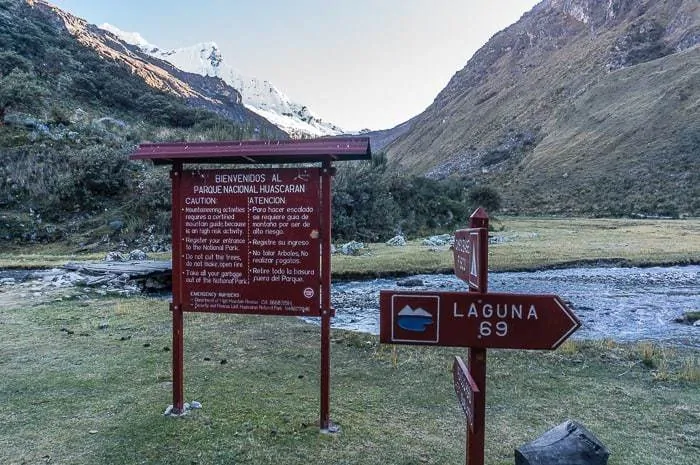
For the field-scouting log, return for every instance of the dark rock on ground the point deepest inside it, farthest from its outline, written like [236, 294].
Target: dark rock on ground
[410, 282]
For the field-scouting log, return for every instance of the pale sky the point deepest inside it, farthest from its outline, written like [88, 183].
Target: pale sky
[357, 63]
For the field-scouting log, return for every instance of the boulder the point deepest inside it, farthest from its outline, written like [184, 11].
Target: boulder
[27, 121]
[116, 225]
[79, 116]
[691, 318]
[110, 123]
[114, 257]
[352, 248]
[497, 239]
[410, 282]
[137, 254]
[397, 241]
[441, 239]
[569, 443]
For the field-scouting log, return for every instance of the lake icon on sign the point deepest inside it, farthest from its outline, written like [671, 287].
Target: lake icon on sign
[416, 320]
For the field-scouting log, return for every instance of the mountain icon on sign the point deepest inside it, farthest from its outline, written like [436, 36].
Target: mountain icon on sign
[415, 320]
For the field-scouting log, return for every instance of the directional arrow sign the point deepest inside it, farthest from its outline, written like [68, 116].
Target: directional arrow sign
[471, 256]
[465, 388]
[469, 319]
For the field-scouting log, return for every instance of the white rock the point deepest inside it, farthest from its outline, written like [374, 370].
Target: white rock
[397, 241]
[351, 248]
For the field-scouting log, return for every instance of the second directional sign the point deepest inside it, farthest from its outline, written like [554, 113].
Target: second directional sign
[461, 319]
[471, 256]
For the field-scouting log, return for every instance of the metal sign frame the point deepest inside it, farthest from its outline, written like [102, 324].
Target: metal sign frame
[470, 256]
[472, 319]
[323, 151]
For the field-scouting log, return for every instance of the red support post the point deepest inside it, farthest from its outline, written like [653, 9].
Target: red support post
[178, 360]
[326, 310]
[477, 357]
[176, 305]
[476, 439]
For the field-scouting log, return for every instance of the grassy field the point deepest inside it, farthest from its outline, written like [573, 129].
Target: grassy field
[532, 243]
[527, 243]
[87, 383]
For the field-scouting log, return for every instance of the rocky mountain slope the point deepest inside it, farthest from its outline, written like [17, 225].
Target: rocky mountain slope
[259, 96]
[208, 92]
[70, 115]
[586, 106]
[74, 103]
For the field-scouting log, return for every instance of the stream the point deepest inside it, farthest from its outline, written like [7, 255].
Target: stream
[622, 304]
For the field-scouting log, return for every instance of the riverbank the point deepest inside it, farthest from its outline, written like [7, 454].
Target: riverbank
[630, 304]
[620, 304]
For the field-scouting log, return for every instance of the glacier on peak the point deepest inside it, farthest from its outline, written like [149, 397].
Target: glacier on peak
[133, 38]
[259, 96]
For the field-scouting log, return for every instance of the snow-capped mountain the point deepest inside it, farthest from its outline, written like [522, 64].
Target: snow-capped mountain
[258, 95]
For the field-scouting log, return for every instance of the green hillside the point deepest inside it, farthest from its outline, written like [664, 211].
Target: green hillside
[581, 107]
[72, 114]
[70, 118]
[630, 144]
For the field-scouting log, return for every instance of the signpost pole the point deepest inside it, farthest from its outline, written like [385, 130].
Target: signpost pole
[326, 311]
[477, 356]
[178, 361]
[474, 319]
[475, 438]
[176, 305]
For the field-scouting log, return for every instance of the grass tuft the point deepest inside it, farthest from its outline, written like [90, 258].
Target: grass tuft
[690, 371]
[649, 354]
[569, 347]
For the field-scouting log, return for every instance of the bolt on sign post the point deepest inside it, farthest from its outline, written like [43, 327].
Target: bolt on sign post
[476, 319]
[253, 240]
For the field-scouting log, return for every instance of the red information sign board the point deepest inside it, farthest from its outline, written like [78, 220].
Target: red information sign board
[471, 256]
[250, 241]
[465, 319]
[253, 240]
[465, 388]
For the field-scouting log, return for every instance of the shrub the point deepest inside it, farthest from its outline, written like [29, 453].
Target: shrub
[10, 60]
[18, 91]
[84, 179]
[370, 203]
[485, 197]
[362, 205]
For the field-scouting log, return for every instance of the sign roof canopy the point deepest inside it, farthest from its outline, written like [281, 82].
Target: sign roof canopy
[257, 151]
